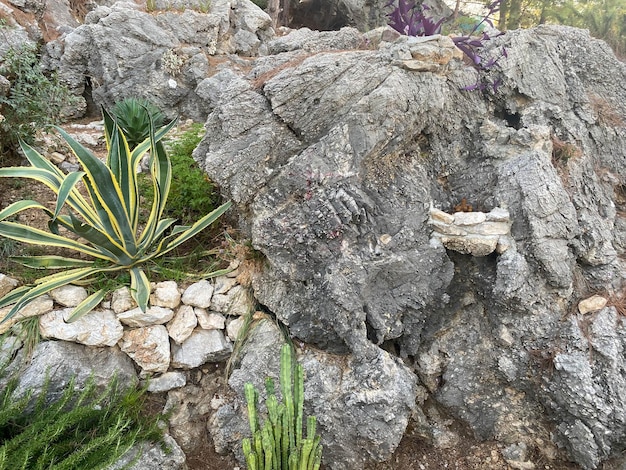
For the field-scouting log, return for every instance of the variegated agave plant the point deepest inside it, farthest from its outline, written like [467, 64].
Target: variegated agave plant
[106, 222]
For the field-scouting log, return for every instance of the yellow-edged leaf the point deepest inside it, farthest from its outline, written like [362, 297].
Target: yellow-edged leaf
[139, 288]
[87, 305]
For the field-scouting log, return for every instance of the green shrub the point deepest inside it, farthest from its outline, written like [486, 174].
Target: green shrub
[107, 222]
[88, 430]
[192, 192]
[279, 444]
[33, 101]
[133, 115]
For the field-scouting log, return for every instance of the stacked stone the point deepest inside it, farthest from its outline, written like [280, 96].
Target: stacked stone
[183, 328]
[472, 233]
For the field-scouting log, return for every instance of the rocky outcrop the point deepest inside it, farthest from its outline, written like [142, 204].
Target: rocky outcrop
[121, 51]
[335, 165]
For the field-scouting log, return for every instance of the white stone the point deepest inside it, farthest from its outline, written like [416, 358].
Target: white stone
[69, 295]
[234, 327]
[235, 302]
[182, 325]
[592, 304]
[210, 320]
[122, 301]
[39, 306]
[491, 228]
[441, 216]
[505, 243]
[7, 284]
[199, 294]
[469, 218]
[201, 347]
[152, 316]
[167, 381]
[149, 347]
[498, 214]
[96, 328]
[223, 284]
[166, 294]
[233, 268]
[447, 229]
[475, 245]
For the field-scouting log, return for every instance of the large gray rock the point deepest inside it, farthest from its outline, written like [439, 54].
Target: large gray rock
[149, 456]
[334, 161]
[121, 51]
[60, 361]
[362, 406]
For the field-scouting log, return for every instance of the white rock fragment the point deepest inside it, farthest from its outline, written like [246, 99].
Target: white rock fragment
[223, 284]
[39, 306]
[441, 216]
[198, 294]
[592, 304]
[183, 324]
[167, 381]
[7, 284]
[152, 316]
[234, 327]
[492, 228]
[475, 245]
[210, 320]
[469, 218]
[498, 214]
[201, 347]
[149, 347]
[122, 301]
[166, 294]
[69, 295]
[97, 328]
[236, 302]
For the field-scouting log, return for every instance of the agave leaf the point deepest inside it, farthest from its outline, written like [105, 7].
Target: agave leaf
[108, 246]
[46, 284]
[50, 262]
[87, 305]
[67, 186]
[37, 174]
[39, 161]
[19, 206]
[106, 190]
[161, 172]
[13, 296]
[139, 288]
[200, 225]
[33, 236]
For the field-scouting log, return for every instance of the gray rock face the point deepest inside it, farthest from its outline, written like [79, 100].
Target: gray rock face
[162, 57]
[60, 361]
[152, 456]
[335, 158]
[362, 407]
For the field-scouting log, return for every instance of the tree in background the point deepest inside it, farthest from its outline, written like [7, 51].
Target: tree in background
[605, 19]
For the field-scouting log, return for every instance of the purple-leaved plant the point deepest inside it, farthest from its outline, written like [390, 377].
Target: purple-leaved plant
[411, 19]
[471, 46]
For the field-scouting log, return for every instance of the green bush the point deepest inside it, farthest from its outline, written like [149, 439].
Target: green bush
[279, 443]
[192, 192]
[88, 430]
[33, 101]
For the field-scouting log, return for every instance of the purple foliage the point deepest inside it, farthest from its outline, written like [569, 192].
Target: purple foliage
[410, 19]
